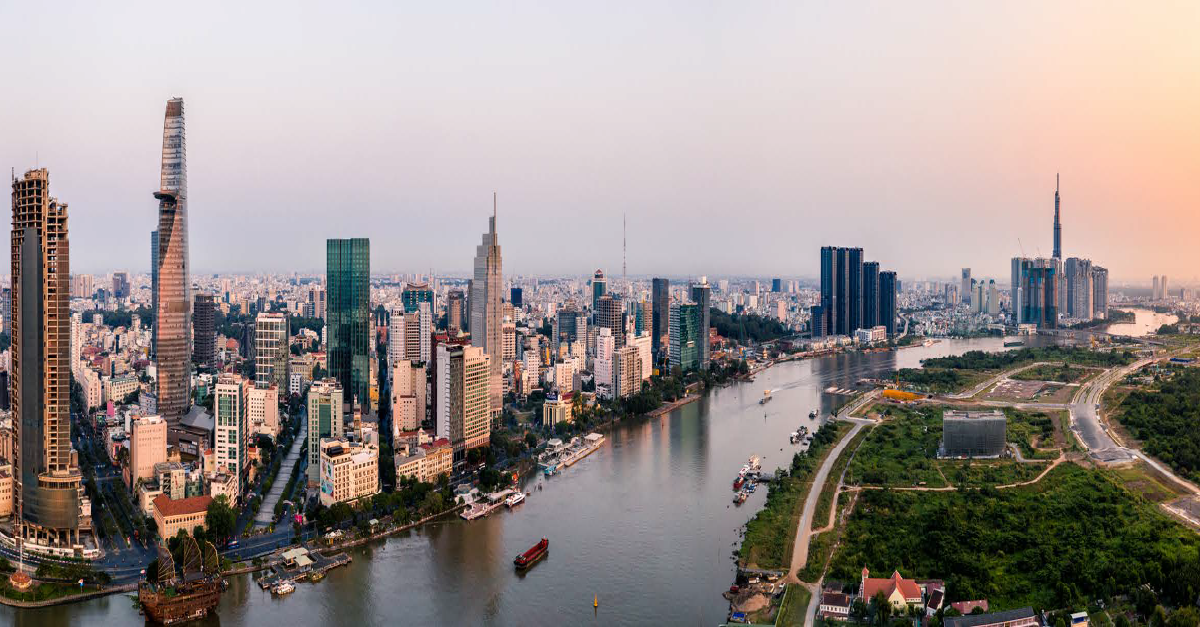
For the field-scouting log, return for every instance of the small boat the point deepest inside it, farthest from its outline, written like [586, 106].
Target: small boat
[286, 587]
[316, 576]
[1011, 343]
[755, 463]
[738, 483]
[740, 498]
[813, 414]
[515, 499]
[794, 437]
[535, 553]
[766, 397]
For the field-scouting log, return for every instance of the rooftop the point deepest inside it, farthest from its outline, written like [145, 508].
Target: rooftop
[168, 506]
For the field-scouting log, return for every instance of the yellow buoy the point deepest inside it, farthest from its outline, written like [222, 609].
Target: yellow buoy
[596, 601]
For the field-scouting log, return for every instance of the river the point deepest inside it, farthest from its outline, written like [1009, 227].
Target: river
[1144, 323]
[645, 525]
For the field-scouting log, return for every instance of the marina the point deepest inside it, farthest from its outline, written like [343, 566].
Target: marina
[299, 564]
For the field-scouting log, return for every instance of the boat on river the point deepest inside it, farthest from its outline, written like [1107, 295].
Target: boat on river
[766, 397]
[283, 588]
[515, 499]
[176, 597]
[535, 553]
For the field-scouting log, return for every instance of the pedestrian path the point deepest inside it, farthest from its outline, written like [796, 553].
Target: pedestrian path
[266, 511]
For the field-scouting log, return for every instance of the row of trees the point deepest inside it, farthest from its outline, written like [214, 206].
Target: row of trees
[1167, 421]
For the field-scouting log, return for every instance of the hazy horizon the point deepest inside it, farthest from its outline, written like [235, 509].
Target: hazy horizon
[737, 139]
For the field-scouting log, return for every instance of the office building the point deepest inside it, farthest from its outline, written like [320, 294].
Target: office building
[776, 285]
[50, 506]
[272, 352]
[414, 335]
[702, 296]
[485, 311]
[993, 299]
[147, 447]
[888, 287]
[349, 470]
[685, 336]
[599, 288]
[325, 400]
[232, 433]
[462, 392]
[570, 326]
[348, 317]
[262, 410]
[965, 292]
[516, 297]
[610, 314]
[660, 297]
[1014, 290]
[454, 312]
[173, 313]
[1099, 292]
[416, 293]
[204, 351]
[973, 433]
[603, 363]
[408, 395]
[627, 372]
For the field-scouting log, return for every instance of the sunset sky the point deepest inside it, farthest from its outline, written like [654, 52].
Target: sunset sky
[737, 137]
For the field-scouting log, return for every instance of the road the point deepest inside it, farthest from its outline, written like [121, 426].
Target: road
[804, 531]
[1085, 415]
[266, 511]
[993, 381]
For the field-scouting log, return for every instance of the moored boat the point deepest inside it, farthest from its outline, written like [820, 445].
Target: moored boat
[535, 553]
[737, 483]
[515, 499]
[177, 597]
[285, 587]
[813, 414]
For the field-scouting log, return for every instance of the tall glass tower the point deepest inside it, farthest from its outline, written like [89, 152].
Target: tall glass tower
[348, 316]
[485, 310]
[173, 350]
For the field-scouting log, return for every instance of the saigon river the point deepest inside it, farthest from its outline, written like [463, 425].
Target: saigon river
[645, 525]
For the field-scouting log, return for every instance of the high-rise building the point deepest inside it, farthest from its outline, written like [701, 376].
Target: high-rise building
[627, 372]
[1039, 292]
[272, 351]
[570, 326]
[965, 293]
[454, 312]
[660, 296]
[325, 400]
[416, 335]
[702, 296]
[599, 288]
[1162, 288]
[232, 434]
[348, 318]
[1079, 288]
[517, 297]
[416, 293]
[1099, 292]
[854, 300]
[1155, 293]
[408, 395]
[50, 505]
[262, 410]
[120, 285]
[204, 350]
[685, 336]
[603, 363]
[870, 292]
[1057, 223]
[887, 301]
[1015, 286]
[841, 289]
[173, 314]
[485, 310]
[776, 285]
[153, 288]
[610, 314]
[6, 307]
[147, 447]
[462, 387]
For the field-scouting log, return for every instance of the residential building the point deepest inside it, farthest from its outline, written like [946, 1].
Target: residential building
[1080, 291]
[147, 447]
[1039, 287]
[175, 515]
[462, 397]
[1099, 292]
[232, 433]
[485, 312]
[325, 400]
[50, 506]
[348, 316]
[173, 312]
[349, 470]
[627, 372]
[272, 351]
[603, 363]
[965, 292]
[870, 292]
[835, 605]
[204, 351]
[888, 287]
[841, 289]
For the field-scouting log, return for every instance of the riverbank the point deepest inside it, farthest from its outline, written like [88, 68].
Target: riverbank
[672, 406]
[73, 598]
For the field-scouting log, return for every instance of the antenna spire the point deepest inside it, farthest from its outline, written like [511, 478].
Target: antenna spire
[623, 269]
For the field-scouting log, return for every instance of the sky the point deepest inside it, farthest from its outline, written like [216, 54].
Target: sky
[736, 138]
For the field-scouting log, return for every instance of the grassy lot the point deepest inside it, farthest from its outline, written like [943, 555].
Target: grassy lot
[1075, 536]
[795, 606]
[1033, 431]
[1061, 373]
[1142, 480]
[821, 514]
[771, 534]
[977, 473]
[902, 451]
[941, 380]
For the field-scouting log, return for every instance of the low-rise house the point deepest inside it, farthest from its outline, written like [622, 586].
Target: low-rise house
[900, 592]
[1023, 617]
[835, 605]
[966, 607]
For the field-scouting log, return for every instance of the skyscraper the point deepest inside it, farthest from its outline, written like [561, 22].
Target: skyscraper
[965, 292]
[887, 301]
[153, 290]
[1039, 292]
[232, 434]
[1057, 223]
[272, 352]
[173, 350]
[348, 316]
[660, 296]
[461, 390]
[685, 336]
[50, 505]
[610, 314]
[325, 399]
[854, 300]
[870, 292]
[1079, 288]
[516, 297]
[416, 293]
[702, 296]
[204, 350]
[454, 312]
[841, 289]
[485, 309]
[599, 288]
[1099, 292]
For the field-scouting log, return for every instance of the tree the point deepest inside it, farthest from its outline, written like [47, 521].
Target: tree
[859, 610]
[530, 440]
[881, 608]
[1184, 617]
[220, 518]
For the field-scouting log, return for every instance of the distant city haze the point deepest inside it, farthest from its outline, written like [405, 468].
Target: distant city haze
[737, 138]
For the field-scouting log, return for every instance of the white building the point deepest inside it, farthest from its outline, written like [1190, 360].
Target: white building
[349, 471]
[232, 432]
[262, 408]
[606, 346]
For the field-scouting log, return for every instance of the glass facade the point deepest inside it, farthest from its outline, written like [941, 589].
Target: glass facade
[348, 315]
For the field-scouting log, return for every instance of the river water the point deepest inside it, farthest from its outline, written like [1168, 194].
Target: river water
[645, 525]
[1144, 323]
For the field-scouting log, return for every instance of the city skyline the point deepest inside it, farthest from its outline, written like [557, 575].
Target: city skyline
[796, 141]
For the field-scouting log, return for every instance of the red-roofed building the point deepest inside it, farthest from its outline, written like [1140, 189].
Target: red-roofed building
[172, 515]
[899, 591]
[966, 607]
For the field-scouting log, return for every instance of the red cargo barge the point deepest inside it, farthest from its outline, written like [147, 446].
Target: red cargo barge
[526, 559]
